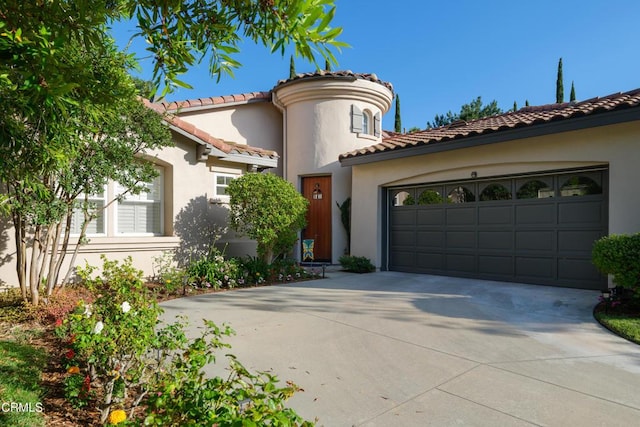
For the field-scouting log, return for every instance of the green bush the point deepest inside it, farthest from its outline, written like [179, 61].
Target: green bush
[181, 394]
[170, 275]
[619, 255]
[356, 264]
[269, 210]
[214, 271]
[108, 341]
[118, 357]
[255, 271]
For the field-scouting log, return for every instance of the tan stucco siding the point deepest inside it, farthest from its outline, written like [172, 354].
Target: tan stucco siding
[258, 124]
[617, 147]
[188, 215]
[318, 117]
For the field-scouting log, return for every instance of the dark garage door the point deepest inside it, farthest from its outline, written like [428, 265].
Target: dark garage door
[531, 229]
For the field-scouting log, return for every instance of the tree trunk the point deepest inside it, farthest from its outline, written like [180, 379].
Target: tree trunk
[21, 249]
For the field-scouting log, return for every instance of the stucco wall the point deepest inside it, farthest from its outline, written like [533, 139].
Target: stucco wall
[318, 130]
[258, 124]
[189, 218]
[616, 146]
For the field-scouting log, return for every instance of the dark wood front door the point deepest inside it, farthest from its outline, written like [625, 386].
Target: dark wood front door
[317, 190]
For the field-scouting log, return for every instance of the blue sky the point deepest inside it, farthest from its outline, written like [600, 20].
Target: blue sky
[441, 54]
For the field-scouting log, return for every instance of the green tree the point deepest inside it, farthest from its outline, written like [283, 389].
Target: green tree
[398, 121]
[472, 111]
[572, 95]
[515, 106]
[292, 67]
[145, 88]
[178, 34]
[526, 103]
[269, 210]
[62, 84]
[49, 170]
[559, 84]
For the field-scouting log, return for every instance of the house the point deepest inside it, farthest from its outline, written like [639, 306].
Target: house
[297, 130]
[516, 197]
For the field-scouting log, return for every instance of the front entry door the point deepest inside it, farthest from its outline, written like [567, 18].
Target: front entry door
[317, 190]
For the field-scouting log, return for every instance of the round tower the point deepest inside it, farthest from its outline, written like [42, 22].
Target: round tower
[326, 114]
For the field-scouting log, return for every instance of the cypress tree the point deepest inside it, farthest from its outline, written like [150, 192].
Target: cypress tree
[327, 65]
[572, 96]
[292, 68]
[398, 121]
[526, 102]
[559, 85]
[515, 106]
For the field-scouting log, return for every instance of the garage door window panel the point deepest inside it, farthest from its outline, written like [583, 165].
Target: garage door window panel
[460, 194]
[430, 196]
[495, 191]
[403, 198]
[538, 188]
[580, 185]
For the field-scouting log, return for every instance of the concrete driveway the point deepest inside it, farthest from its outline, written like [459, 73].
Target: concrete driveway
[396, 349]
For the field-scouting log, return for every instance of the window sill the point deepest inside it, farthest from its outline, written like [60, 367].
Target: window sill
[220, 200]
[367, 136]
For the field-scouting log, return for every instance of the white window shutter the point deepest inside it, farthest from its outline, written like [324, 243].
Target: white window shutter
[142, 213]
[356, 119]
[376, 126]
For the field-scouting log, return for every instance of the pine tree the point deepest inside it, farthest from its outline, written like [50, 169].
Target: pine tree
[559, 85]
[292, 68]
[398, 121]
[572, 96]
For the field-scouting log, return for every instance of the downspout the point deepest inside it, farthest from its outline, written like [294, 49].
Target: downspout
[280, 106]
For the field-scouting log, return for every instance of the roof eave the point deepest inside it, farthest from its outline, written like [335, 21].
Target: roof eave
[558, 126]
[248, 159]
[264, 162]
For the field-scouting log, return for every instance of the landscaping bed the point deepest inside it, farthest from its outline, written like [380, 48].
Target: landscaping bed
[46, 331]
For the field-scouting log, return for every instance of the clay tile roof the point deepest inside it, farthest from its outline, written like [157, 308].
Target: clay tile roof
[527, 116]
[224, 146]
[346, 74]
[215, 100]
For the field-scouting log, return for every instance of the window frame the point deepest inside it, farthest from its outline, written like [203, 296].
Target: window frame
[135, 200]
[367, 118]
[103, 212]
[217, 175]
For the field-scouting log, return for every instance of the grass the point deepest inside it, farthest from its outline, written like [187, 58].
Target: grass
[21, 367]
[625, 325]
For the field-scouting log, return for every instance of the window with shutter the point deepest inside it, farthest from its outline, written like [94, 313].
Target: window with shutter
[142, 213]
[96, 205]
[356, 119]
[377, 125]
